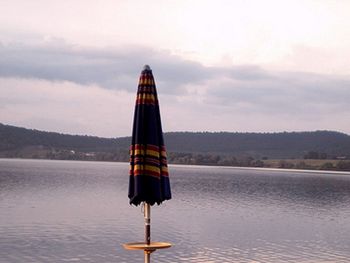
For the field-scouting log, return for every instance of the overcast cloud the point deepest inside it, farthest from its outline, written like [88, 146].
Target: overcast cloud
[91, 91]
[109, 67]
[73, 66]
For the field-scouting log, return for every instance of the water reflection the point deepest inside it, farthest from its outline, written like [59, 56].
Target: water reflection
[297, 188]
[78, 212]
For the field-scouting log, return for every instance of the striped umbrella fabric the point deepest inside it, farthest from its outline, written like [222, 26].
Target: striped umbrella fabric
[149, 177]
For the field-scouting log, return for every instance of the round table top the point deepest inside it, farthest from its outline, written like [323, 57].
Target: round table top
[143, 246]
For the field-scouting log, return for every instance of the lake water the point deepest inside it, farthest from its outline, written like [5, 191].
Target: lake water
[65, 211]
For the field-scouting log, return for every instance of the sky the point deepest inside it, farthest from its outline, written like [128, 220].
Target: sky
[238, 66]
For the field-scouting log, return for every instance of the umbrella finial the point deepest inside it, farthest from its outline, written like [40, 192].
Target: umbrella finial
[146, 67]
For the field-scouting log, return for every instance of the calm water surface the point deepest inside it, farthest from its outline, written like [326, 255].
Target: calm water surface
[62, 211]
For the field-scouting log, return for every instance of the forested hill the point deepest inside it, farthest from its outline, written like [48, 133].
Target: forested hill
[26, 143]
[271, 145]
[15, 138]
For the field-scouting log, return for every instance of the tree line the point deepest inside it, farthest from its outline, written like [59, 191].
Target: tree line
[199, 148]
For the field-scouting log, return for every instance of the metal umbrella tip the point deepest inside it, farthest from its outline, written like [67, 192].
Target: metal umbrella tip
[146, 67]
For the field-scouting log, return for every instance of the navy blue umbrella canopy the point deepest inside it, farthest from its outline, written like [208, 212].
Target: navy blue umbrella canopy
[149, 177]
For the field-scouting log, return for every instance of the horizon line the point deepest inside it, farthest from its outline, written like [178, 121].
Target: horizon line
[165, 132]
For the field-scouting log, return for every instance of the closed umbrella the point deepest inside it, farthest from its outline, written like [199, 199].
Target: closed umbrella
[149, 178]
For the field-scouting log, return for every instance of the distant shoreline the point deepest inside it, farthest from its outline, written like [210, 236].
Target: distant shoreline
[347, 172]
[315, 150]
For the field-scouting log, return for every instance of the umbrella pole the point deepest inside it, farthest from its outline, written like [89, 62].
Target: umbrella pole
[147, 257]
[147, 215]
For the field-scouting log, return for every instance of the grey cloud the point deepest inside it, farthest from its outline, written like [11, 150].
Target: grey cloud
[270, 92]
[284, 93]
[109, 67]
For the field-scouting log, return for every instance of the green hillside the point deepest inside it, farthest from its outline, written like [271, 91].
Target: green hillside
[259, 145]
[218, 148]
